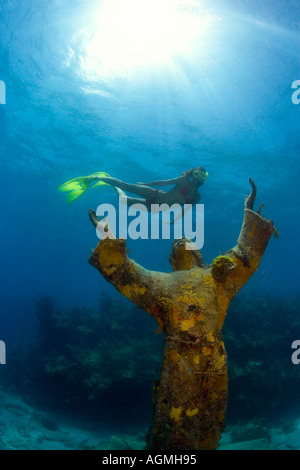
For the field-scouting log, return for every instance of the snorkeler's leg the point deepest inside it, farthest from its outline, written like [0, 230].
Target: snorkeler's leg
[140, 190]
[120, 193]
[124, 199]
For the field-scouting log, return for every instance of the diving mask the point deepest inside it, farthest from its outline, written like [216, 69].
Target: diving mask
[202, 174]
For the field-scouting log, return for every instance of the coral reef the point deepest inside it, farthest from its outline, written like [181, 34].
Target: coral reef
[221, 267]
[84, 359]
[262, 380]
[190, 305]
[258, 331]
[262, 404]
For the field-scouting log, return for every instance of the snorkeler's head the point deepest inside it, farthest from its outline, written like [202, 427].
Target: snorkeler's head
[198, 174]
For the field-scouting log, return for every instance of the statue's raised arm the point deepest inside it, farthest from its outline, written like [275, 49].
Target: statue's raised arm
[235, 268]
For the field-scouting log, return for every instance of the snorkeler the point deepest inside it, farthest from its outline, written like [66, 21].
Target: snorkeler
[185, 190]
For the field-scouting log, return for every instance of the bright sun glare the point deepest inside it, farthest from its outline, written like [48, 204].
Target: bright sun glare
[130, 34]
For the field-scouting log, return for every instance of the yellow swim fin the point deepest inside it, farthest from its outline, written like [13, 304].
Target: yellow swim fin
[78, 186]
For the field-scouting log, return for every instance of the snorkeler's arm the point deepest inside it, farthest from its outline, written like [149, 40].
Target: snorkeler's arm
[237, 266]
[132, 280]
[164, 182]
[186, 208]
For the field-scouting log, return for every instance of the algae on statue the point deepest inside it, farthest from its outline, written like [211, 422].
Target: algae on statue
[189, 304]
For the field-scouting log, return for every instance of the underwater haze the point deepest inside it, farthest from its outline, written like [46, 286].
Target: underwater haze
[97, 85]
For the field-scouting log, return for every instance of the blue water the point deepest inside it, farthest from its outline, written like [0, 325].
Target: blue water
[226, 105]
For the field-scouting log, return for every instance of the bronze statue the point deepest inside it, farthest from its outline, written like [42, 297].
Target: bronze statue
[189, 304]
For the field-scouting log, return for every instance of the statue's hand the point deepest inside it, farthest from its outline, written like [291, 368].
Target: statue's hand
[249, 201]
[102, 226]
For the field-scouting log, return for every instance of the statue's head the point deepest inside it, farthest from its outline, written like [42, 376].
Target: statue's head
[182, 258]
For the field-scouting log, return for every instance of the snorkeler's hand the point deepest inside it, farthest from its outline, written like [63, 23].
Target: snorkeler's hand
[179, 216]
[168, 222]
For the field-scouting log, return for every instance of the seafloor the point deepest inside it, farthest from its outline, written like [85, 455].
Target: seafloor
[24, 427]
